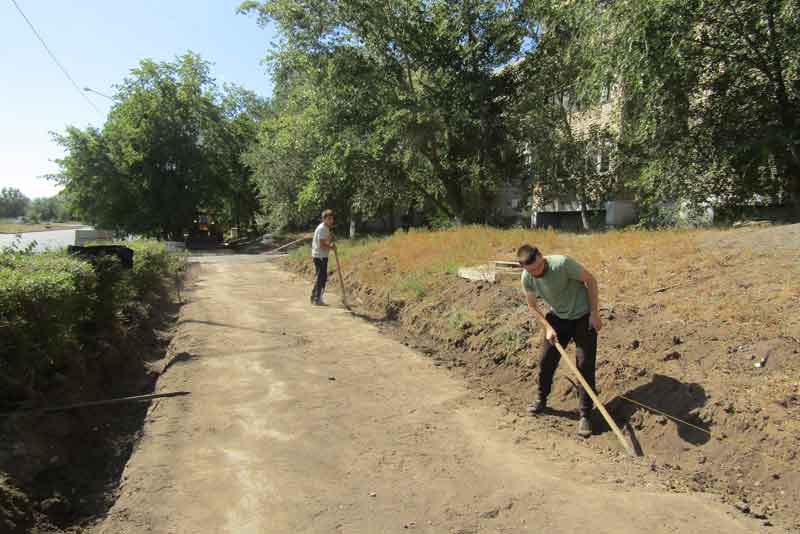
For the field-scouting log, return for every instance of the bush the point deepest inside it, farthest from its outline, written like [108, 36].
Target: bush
[52, 306]
[43, 301]
[151, 264]
[656, 216]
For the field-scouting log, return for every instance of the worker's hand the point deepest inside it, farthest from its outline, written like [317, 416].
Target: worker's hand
[595, 322]
[333, 246]
[551, 335]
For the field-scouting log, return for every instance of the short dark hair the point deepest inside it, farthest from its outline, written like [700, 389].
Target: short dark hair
[326, 213]
[527, 253]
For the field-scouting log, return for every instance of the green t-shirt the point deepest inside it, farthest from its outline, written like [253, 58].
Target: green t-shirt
[560, 287]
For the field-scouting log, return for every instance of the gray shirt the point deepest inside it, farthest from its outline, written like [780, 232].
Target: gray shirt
[560, 286]
[322, 232]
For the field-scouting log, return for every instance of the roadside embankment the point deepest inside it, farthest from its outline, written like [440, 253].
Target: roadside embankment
[688, 316]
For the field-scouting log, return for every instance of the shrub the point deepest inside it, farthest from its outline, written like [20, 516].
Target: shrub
[52, 306]
[43, 301]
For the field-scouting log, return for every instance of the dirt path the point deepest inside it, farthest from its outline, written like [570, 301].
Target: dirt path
[305, 419]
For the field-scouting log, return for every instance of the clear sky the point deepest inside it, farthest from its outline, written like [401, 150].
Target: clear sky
[98, 42]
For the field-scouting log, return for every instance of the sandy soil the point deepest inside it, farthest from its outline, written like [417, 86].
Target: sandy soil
[307, 419]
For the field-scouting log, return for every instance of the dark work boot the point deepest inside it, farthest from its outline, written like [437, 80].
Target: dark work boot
[537, 406]
[584, 427]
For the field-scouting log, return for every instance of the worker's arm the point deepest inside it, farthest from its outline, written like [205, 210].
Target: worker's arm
[591, 289]
[327, 243]
[549, 333]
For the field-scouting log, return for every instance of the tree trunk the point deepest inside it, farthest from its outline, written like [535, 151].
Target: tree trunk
[352, 227]
[793, 190]
[585, 217]
[584, 210]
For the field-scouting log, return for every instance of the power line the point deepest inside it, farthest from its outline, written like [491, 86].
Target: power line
[53, 57]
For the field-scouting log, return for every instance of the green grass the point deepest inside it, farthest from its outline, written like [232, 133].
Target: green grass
[459, 318]
[298, 254]
[415, 285]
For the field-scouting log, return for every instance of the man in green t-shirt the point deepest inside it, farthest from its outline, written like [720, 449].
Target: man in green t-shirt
[571, 292]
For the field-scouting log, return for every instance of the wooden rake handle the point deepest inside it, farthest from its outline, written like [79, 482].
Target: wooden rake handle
[620, 436]
[341, 278]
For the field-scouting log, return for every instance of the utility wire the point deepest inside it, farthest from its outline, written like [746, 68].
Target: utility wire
[53, 57]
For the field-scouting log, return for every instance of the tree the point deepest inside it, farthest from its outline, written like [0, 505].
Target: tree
[242, 111]
[12, 202]
[322, 144]
[715, 88]
[170, 148]
[50, 209]
[427, 99]
[558, 108]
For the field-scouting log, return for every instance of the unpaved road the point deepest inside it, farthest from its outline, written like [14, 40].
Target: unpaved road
[306, 419]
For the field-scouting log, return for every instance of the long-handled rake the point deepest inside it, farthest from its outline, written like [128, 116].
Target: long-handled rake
[602, 409]
[627, 445]
[341, 279]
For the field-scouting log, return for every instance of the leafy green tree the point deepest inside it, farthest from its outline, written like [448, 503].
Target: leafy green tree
[714, 92]
[569, 136]
[321, 147]
[50, 209]
[419, 90]
[242, 112]
[12, 202]
[171, 147]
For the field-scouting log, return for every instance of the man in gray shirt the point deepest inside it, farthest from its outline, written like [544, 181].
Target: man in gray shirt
[571, 292]
[322, 244]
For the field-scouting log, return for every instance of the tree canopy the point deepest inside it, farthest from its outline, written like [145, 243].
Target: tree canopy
[170, 148]
[391, 105]
[713, 89]
[438, 103]
[12, 202]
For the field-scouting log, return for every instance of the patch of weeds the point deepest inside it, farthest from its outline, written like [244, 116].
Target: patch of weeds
[451, 267]
[415, 285]
[298, 254]
[513, 340]
[459, 320]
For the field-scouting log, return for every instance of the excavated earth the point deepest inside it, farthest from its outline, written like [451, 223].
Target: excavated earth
[674, 350]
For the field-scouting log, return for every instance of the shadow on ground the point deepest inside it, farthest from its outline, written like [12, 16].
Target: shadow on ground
[663, 394]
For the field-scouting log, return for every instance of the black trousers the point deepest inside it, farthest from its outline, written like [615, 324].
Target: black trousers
[585, 356]
[320, 278]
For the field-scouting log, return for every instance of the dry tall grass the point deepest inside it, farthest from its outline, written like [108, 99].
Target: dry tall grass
[697, 283]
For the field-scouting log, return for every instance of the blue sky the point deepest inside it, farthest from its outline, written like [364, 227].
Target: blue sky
[98, 43]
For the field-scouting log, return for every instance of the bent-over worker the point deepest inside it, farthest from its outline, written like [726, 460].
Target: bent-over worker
[571, 292]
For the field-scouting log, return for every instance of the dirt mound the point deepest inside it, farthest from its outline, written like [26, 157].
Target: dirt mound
[716, 346]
